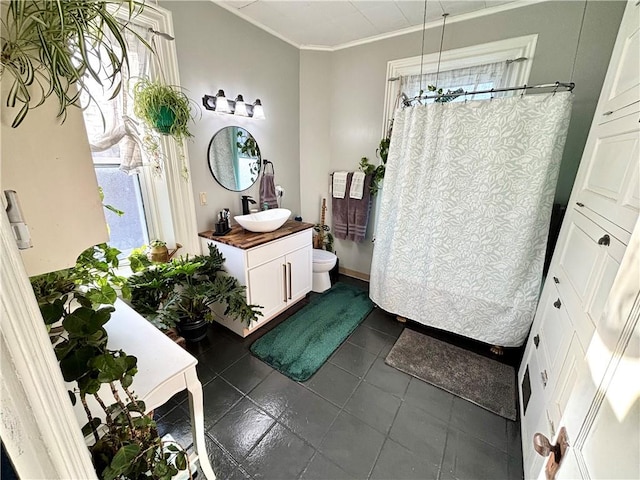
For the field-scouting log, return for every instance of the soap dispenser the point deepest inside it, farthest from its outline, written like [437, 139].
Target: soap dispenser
[246, 200]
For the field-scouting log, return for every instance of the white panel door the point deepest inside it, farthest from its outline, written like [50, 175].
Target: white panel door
[610, 185]
[622, 84]
[50, 166]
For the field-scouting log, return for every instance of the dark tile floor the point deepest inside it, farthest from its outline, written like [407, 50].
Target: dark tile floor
[356, 418]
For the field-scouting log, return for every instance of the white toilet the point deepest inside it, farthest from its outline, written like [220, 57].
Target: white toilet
[323, 261]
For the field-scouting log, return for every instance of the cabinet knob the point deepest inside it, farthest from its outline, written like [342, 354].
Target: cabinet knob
[604, 240]
[536, 340]
[607, 113]
[557, 303]
[580, 204]
[555, 280]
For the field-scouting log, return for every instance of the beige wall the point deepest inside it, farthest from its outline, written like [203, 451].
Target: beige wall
[357, 83]
[218, 50]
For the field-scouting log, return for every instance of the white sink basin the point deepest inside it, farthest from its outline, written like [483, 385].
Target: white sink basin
[265, 221]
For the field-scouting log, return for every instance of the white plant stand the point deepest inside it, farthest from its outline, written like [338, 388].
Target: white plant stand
[164, 369]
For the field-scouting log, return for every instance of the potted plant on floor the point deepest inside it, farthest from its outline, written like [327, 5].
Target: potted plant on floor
[180, 294]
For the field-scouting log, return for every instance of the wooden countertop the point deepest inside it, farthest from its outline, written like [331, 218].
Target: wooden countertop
[241, 238]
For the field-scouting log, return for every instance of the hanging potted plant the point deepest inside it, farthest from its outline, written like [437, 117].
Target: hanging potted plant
[49, 46]
[163, 108]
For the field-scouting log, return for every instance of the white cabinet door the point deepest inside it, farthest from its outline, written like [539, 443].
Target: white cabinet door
[553, 337]
[587, 264]
[610, 186]
[622, 83]
[267, 287]
[299, 271]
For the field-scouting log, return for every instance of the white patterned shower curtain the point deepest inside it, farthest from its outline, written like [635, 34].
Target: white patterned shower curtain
[464, 214]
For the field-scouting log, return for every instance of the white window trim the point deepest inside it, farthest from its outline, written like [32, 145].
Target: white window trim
[493, 52]
[168, 199]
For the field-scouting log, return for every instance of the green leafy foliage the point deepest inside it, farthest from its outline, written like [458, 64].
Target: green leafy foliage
[376, 171]
[183, 290]
[127, 444]
[49, 46]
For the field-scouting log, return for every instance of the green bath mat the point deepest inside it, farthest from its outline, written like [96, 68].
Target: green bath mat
[302, 343]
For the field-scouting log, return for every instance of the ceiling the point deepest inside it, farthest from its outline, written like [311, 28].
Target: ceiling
[331, 24]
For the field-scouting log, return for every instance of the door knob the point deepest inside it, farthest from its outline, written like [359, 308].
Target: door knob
[555, 280]
[542, 446]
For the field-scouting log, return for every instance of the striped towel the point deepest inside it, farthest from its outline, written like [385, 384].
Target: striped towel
[357, 185]
[340, 211]
[339, 184]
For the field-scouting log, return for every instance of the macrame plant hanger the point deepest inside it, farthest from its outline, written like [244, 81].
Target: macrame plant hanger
[407, 102]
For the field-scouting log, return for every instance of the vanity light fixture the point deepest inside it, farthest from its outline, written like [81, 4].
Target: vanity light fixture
[221, 104]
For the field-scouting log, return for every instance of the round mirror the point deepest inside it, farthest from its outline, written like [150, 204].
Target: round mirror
[234, 158]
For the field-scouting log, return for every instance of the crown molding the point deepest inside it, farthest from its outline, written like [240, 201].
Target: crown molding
[416, 28]
[255, 23]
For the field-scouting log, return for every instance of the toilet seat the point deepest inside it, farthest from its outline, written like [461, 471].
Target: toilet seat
[322, 256]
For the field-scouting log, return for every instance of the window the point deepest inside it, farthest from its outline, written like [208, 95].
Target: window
[155, 206]
[116, 152]
[480, 67]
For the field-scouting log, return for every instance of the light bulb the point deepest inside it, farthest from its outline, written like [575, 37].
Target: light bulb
[241, 107]
[222, 105]
[258, 111]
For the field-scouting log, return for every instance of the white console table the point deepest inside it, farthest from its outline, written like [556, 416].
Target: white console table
[164, 369]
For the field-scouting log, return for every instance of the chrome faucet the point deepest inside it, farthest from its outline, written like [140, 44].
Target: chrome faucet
[246, 200]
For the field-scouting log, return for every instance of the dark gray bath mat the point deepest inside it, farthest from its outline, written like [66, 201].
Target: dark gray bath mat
[485, 382]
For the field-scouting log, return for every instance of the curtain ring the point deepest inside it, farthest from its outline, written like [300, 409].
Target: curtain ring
[524, 89]
[491, 95]
[466, 97]
[556, 89]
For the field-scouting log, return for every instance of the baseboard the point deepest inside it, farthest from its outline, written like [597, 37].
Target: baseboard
[354, 274]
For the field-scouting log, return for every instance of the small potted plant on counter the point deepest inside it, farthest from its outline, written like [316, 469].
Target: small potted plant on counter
[180, 294]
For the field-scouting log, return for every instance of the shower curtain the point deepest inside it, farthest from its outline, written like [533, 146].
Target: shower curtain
[464, 213]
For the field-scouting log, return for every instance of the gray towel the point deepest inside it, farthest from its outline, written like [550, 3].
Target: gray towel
[268, 191]
[339, 212]
[358, 213]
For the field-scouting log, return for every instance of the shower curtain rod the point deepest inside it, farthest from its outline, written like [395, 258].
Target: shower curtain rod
[568, 86]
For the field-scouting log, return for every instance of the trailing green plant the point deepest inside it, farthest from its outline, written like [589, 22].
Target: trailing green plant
[183, 290]
[49, 46]
[163, 108]
[377, 172]
[77, 302]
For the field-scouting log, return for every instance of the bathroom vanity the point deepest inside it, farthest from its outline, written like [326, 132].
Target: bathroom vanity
[275, 267]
